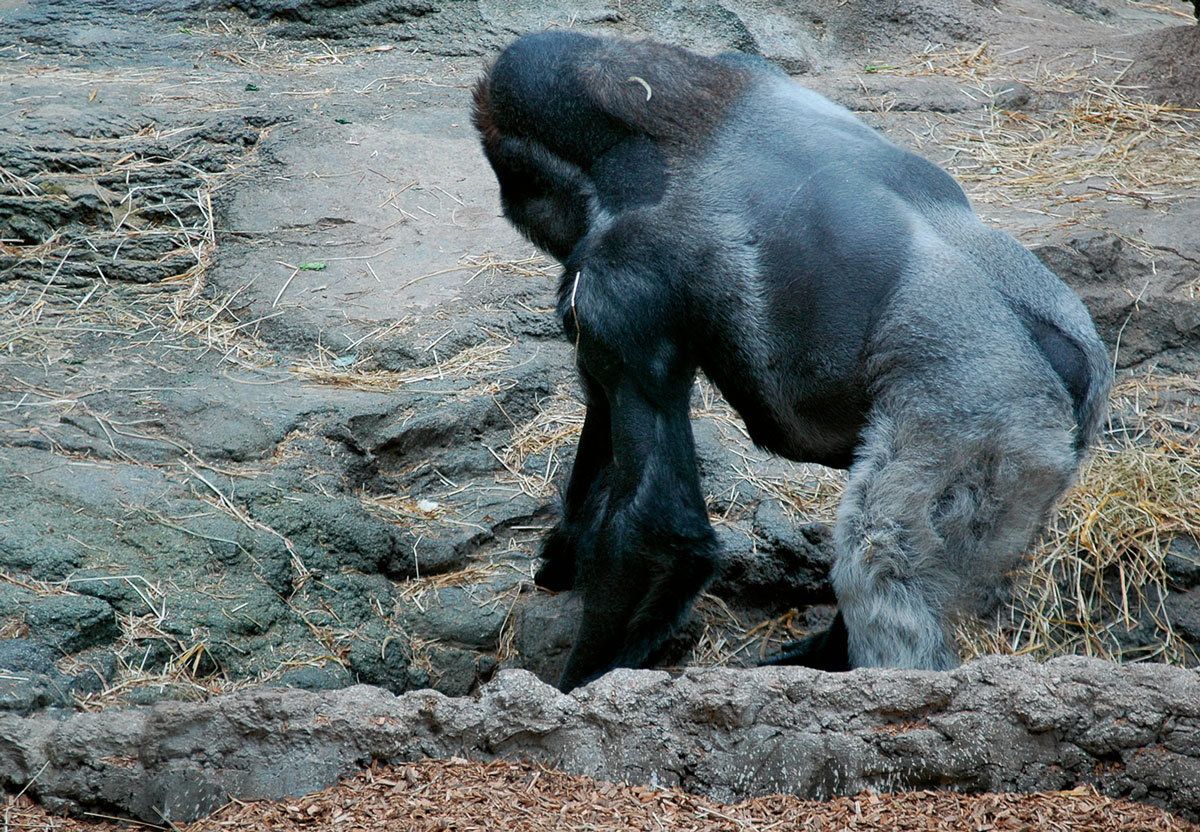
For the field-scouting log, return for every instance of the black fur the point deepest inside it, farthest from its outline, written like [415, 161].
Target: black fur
[825, 650]
[712, 215]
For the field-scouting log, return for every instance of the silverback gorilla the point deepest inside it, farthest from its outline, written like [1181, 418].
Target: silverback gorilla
[713, 215]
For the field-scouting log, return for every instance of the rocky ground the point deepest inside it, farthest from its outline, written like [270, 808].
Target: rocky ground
[997, 724]
[281, 397]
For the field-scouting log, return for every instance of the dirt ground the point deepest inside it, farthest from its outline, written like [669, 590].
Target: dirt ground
[282, 401]
[462, 796]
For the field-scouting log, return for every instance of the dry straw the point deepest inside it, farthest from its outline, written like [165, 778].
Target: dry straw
[479, 363]
[1098, 584]
[1090, 137]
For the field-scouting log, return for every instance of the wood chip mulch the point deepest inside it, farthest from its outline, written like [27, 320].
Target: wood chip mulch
[514, 796]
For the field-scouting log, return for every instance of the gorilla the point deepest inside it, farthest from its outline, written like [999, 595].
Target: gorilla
[713, 215]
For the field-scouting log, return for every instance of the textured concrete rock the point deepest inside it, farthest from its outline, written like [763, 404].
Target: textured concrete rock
[72, 622]
[1001, 724]
[29, 680]
[1148, 318]
[1183, 562]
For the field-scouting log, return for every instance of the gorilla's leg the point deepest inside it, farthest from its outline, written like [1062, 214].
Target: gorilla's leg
[651, 549]
[586, 495]
[938, 509]
[825, 650]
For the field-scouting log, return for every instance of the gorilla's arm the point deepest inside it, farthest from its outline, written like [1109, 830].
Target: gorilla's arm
[640, 532]
[586, 494]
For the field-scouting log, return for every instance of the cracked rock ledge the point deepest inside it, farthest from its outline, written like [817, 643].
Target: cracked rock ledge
[995, 724]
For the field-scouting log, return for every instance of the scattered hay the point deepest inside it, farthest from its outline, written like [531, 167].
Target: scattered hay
[725, 640]
[190, 673]
[403, 508]
[1100, 571]
[417, 591]
[424, 517]
[489, 263]
[1106, 144]
[14, 626]
[971, 65]
[134, 268]
[810, 491]
[479, 363]
[42, 588]
[776, 632]
[420, 656]
[708, 403]
[557, 424]
[154, 223]
[1106, 141]
[506, 646]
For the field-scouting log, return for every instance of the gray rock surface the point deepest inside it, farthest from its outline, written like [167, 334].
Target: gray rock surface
[999, 724]
[71, 623]
[170, 458]
[1149, 318]
[30, 680]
